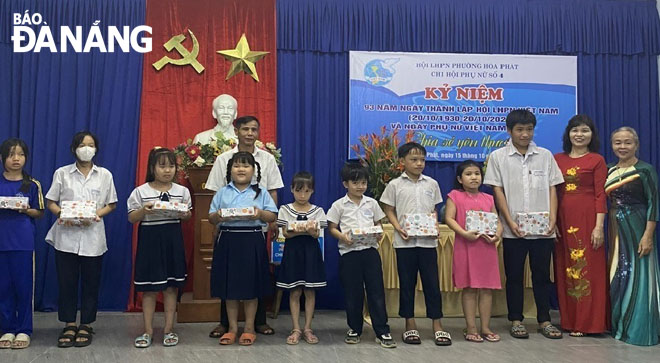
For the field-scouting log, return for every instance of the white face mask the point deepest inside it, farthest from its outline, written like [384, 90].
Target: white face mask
[85, 153]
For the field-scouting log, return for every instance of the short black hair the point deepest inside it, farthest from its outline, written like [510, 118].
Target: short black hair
[78, 139]
[406, 148]
[155, 156]
[520, 116]
[301, 180]
[354, 171]
[245, 119]
[579, 120]
[460, 168]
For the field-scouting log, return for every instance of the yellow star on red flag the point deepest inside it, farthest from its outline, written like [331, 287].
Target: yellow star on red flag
[242, 59]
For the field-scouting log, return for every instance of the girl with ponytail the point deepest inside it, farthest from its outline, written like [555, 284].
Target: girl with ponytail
[239, 271]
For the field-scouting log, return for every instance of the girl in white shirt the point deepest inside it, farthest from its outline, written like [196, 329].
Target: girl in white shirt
[160, 260]
[79, 247]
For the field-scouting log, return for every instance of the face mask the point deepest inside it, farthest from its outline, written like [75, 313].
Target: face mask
[85, 153]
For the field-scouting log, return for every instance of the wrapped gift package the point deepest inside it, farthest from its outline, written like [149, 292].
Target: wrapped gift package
[482, 222]
[78, 210]
[366, 235]
[534, 224]
[420, 225]
[301, 226]
[170, 209]
[14, 203]
[238, 213]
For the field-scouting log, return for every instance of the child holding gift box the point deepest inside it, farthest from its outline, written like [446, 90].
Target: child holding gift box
[415, 193]
[360, 266]
[79, 247]
[302, 266]
[160, 259]
[240, 261]
[523, 177]
[17, 231]
[475, 267]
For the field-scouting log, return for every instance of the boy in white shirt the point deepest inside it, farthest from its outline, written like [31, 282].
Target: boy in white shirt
[360, 267]
[415, 193]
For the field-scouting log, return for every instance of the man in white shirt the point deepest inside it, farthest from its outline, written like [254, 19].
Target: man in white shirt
[523, 177]
[247, 130]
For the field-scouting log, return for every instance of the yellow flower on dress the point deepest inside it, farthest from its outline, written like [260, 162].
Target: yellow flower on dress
[572, 171]
[572, 230]
[573, 273]
[577, 254]
[570, 187]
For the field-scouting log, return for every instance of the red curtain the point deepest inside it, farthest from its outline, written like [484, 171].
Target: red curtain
[176, 101]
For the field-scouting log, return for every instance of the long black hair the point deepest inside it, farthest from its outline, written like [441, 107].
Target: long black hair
[460, 168]
[245, 157]
[155, 156]
[6, 149]
[579, 120]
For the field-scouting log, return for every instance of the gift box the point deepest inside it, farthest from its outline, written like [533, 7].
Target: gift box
[366, 235]
[170, 209]
[16, 203]
[238, 213]
[534, 224]
[301, 226]
[78, 210]
[420, 225]
[482, 222]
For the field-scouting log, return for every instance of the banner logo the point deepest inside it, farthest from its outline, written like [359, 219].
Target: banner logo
[27, 38]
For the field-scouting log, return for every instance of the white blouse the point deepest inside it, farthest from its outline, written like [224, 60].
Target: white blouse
[69, 184]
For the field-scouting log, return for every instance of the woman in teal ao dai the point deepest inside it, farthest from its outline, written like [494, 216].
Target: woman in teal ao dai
[632, 188]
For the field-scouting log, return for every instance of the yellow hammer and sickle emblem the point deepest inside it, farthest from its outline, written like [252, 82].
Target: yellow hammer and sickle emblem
[186, 56]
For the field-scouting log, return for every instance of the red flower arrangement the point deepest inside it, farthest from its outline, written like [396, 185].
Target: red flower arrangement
[378, 152]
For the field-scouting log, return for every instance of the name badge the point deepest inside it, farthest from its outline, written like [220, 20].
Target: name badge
[429, 193]
[539, 173]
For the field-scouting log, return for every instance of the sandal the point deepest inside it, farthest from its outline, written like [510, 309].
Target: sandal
[577, 334]
[170, 339]
[265, 329]
[6, 340]
[227, 338]
[492, 337]
[474, 338]
[294, 337]
[67, 337]
[247, 339]
[309, 336]
[143, 341]
[411, 337]
[22, 341]
[519, 331]
[442, 338]
[218, 331]
[84, 332]
[550, 331]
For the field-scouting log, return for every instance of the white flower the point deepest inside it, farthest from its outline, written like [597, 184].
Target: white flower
[199, 161]
[270, 145]
[259, 144]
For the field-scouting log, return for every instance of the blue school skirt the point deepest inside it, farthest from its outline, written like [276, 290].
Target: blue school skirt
[302, 264]
[239, 270]
[160, 259]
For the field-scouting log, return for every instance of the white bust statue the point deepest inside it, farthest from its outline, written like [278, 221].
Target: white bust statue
[225, 109]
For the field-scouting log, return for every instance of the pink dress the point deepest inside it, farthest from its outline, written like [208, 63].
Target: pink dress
[476, 263]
